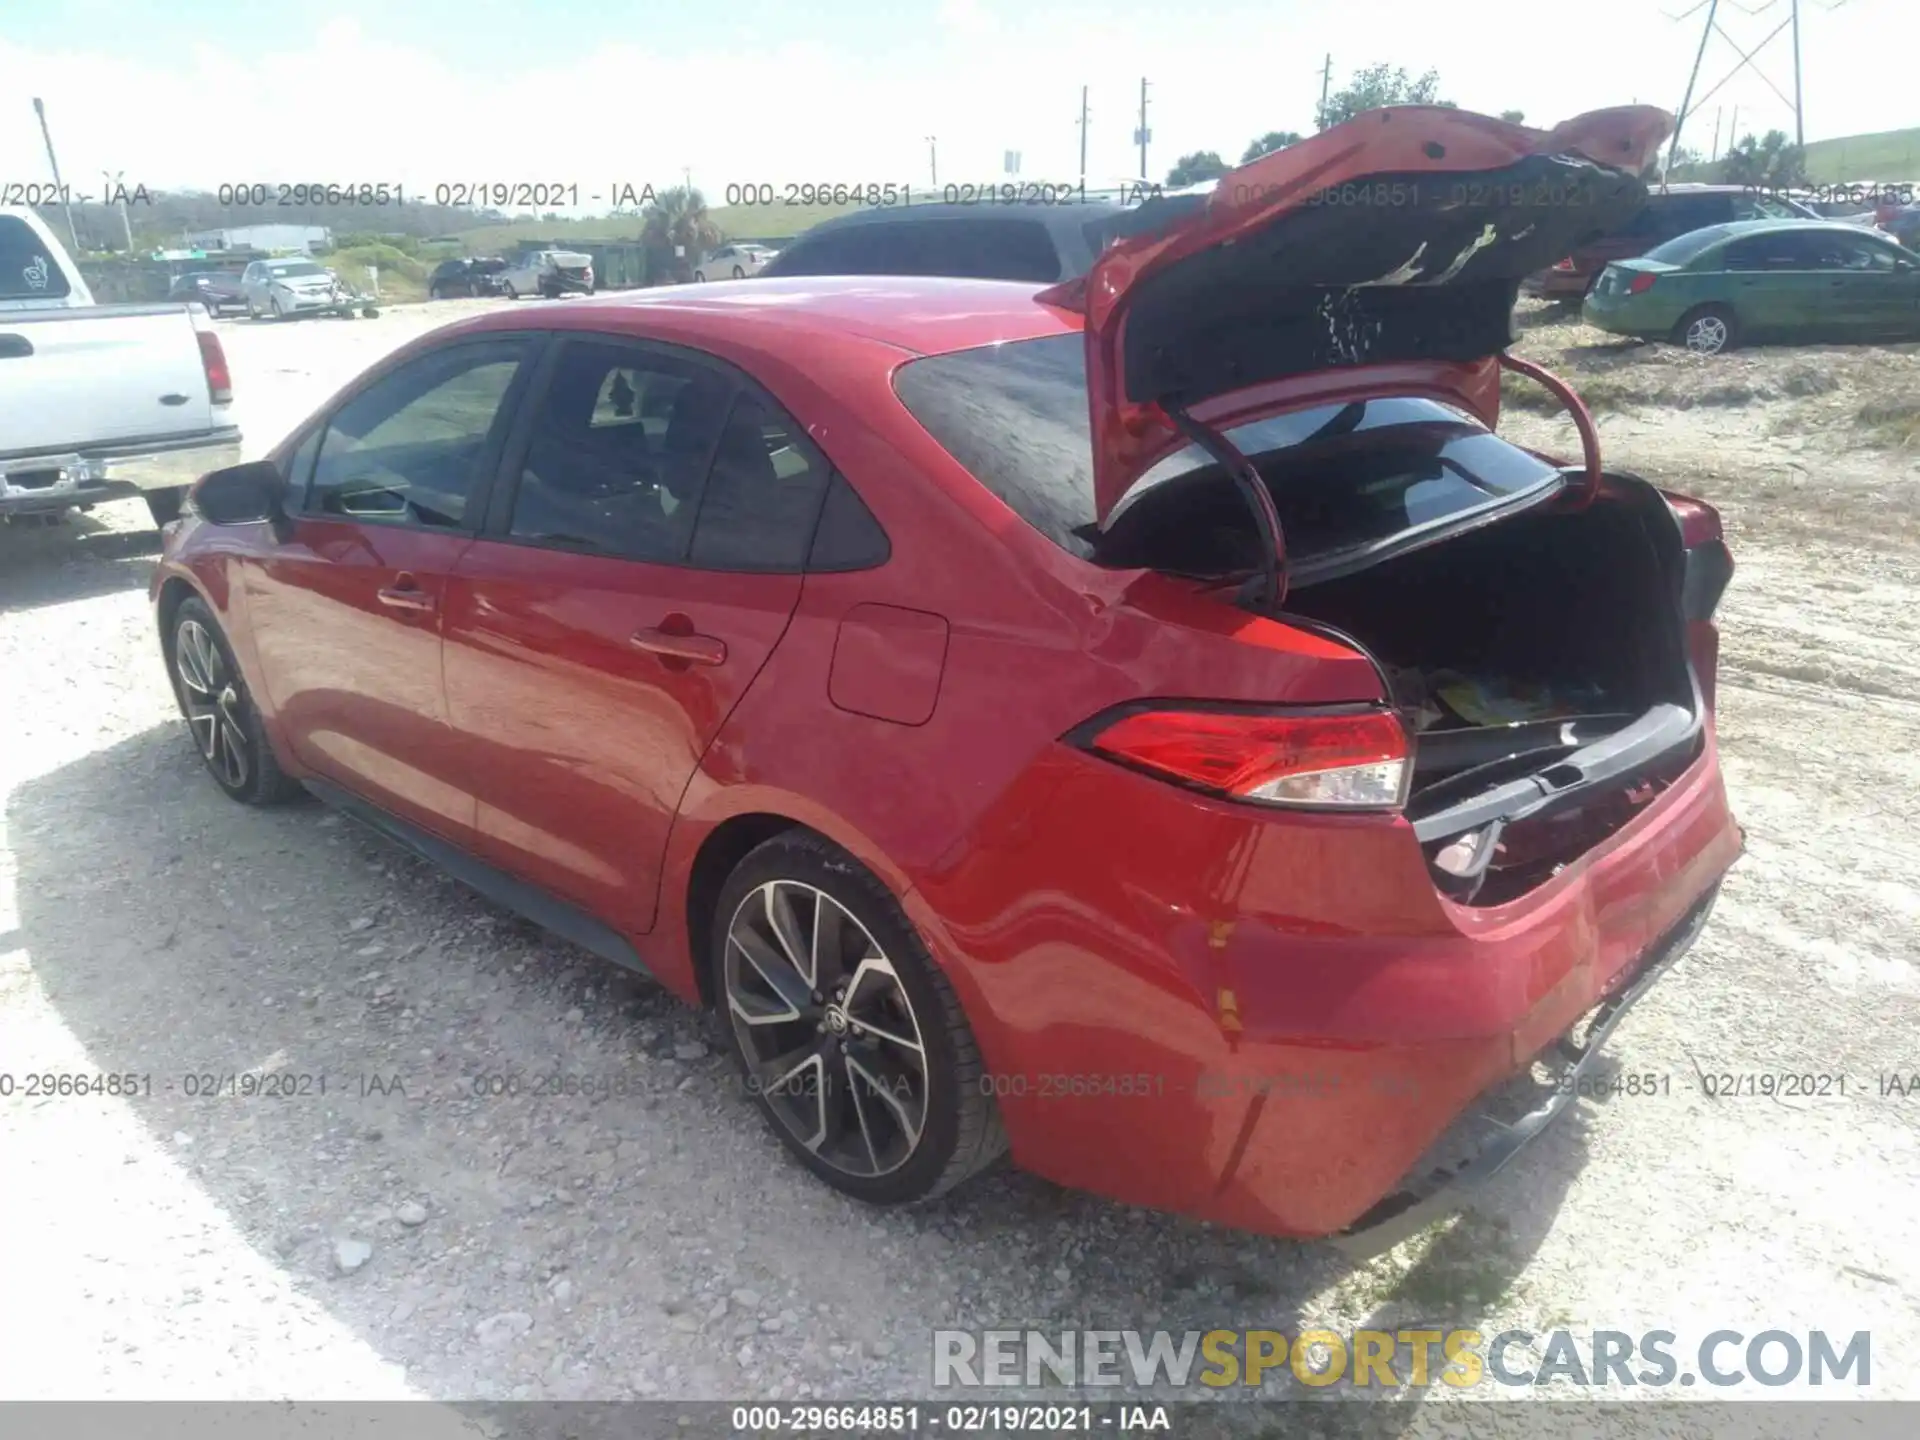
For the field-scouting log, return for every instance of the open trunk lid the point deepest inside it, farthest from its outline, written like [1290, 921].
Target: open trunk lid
[1400, 236]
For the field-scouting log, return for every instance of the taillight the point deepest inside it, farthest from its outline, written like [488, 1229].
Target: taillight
[1641, 283]
[1565, 266]
[213, 360]
[1352, 761]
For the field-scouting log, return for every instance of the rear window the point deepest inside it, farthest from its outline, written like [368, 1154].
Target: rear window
[1343, 476]
[1682, 250]
[28, 270]
[969, 249]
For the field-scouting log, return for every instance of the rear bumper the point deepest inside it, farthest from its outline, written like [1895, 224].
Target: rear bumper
[1433, 1194]
[113, 472]
[1269, 1022]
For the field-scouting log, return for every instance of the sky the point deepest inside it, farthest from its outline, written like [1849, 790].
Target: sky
[600, 93]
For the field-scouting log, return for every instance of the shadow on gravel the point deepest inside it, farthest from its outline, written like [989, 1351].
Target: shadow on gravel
[186, 939]
[75, 558]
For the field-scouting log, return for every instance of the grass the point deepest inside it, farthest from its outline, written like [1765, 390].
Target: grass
[1893, 423]
[402, 277]
[1887, 155]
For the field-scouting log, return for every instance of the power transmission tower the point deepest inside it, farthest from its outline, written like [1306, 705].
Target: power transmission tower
[1747, 58]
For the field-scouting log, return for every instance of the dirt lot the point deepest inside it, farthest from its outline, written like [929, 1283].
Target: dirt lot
[403, 1235]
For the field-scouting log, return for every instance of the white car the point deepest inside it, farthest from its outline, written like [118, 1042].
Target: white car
[734, 261]
[548, 272]
[283, 288]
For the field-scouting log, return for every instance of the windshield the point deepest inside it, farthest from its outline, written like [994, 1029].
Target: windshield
[298, 268]
[1342, 476]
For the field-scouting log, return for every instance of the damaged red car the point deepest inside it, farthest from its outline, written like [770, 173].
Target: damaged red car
[1153, 728]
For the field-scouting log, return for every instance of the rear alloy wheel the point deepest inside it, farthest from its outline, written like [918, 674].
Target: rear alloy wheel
[852, 1042]
[1707, 331]
[226, 728]
[738, 273]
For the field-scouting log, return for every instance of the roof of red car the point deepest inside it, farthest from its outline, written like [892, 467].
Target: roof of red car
[921, 315]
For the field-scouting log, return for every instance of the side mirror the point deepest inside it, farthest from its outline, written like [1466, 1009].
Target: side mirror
[241, 494]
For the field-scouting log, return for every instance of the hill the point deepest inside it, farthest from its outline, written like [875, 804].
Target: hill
[1889, 155]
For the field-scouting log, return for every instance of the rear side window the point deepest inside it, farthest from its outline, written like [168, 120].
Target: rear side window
[763, 493]
[1342, 476]
[28, 270]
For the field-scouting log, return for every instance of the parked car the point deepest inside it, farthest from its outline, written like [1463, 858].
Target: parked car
[1225, 729]
[465, 276]
[1796, 280]
[551, 273]
[1904, 226]
[735, 260]
[286, 289]
[1670, 212]
[1039, 243]
[218, 290]
[101, 402]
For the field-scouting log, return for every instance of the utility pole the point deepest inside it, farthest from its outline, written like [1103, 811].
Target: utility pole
[1143, 134]
[1083, 140]
[1733, 135]
[47, 135]
[1799, 124]
[933, 161]
[1719, 114]
[1680, 120]
[1326, 80]
[115, 184]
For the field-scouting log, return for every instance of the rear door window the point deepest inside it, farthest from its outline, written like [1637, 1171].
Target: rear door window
[28, 270]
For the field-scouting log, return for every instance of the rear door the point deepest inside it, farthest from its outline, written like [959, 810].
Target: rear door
[639, 563]
[1878, 299]
[346, 614]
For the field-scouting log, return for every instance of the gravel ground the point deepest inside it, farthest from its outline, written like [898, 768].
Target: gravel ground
[404, 1235]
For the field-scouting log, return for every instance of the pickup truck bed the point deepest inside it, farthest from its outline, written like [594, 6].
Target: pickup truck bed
[103, 402]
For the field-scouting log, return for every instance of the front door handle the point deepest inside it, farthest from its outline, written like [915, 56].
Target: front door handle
[405, 594]
[682, 645]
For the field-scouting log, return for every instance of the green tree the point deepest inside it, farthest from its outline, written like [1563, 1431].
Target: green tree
[1201, 165]
[1770, 160]
[1268, 143]
[677, 221]
[1375, 86]
[1514, 117]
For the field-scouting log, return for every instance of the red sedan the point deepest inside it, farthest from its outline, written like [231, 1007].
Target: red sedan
[1152, 726]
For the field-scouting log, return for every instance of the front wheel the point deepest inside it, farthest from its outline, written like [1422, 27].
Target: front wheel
[1707, 330]
[851, 1041]
[226, 728]
[739, 273]
[510, 292]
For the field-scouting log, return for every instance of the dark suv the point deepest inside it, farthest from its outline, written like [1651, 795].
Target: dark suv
[1668, 214]
[464, 277]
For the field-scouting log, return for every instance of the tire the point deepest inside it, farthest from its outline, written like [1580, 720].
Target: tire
[509, 291]
[1707, 330]
[926, 1125]
[253, 310]
[699, 277]
[738, 273]
[434, 292]
[221, 718]
[273, 303]
[164, 505]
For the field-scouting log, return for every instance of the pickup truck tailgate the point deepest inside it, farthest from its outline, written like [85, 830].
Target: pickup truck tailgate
[85, 377]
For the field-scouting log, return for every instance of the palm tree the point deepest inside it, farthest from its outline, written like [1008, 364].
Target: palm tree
[677, 231]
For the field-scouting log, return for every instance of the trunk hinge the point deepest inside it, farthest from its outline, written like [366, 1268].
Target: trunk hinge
[1272, 580]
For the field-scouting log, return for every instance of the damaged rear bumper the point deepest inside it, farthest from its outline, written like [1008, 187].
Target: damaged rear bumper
[1433, 1194]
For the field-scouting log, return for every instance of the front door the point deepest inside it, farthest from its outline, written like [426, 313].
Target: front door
[347, 614]
[639, 566]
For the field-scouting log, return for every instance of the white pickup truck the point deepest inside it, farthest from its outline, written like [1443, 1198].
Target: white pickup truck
[101, 402]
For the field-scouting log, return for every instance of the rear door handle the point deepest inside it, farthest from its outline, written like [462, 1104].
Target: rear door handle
[405, 594]
[693, 649]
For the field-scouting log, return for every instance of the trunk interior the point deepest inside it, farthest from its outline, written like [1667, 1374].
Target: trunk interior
[1540, 664]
